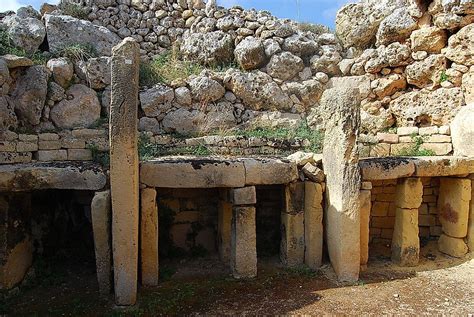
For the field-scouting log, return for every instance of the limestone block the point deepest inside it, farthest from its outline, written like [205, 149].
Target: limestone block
[192, 173]
[294, 198]
[101, 227]
[437, 166]
[340, 161]
[16, 246]
[405, 240]
[269, 171]
[26, 147]
[243, 243]
[149, 262]
[124, 172]
[314, 173]
[313, 224]
[12, 157]
[438, 148]
[386, 168]
[224, 225]
[409, 193]
[51, 155]
[453, 206]
[292, 244]
[243, 196]
[79, 154]
[462, 132]
[452, 246]
[365, 206]
[470, 227]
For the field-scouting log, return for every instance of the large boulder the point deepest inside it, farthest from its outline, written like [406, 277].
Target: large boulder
[308, 92]
[156, 101]
[64, 31]
[301, 45]
[205, 89]
[426, 72]
[284, 66]
[462, 131]
[327, 61]
[258, 91]
[430, 40]
[80, 109]
[396, 27]
[427, 108]
[7, 114]
[250, 53]
[393, 55]
[25, 32]
[461, 46]
[357, 23]
[95, 71]
[30, 92]
[468, 85]
[213, 48]
[62, 70]
[452, 6]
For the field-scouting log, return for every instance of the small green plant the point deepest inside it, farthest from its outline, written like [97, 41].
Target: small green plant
[148, 150]
[167, 68]
[74, 10]
[77, 52]
[8, 47]
[443, 77]
[415, 148]
[103, 158]
[317, 29]
[302, 271]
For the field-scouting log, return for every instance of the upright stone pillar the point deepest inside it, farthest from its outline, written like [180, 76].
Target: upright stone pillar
[454, 202]
[292, 243]
[224, 225]
[340, 161]
[149, 237]
[405, 240]
[313, 224]
[124, 169]
[244, 235]
[16, 247]
[365, 206]
[470, 227]
[101, 214]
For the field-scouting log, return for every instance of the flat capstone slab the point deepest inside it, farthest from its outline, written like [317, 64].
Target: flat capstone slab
[51, 175]
[216, 172]
[423, 166]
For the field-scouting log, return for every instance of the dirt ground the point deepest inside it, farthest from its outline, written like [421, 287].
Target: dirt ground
[440, 285]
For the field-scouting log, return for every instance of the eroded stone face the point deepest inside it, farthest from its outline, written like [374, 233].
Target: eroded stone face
[453, 206]
[462, 132]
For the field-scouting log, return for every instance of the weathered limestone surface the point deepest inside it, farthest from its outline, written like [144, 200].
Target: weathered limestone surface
[149, 237]
[470, 227]
[453, 206]
[292, 244]
[243, 243]
[443, 166]
[313, 224]
[405, 240]
[16, 246]
[57, 175]
[462, 132]
[386, 168]
[365, 207]
[124, 163]
[243, 196]
[224, 225]
[101, 221]
[455, 247]
[199, 172]
[340, 161]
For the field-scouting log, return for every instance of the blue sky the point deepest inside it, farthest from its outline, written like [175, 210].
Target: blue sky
[316, 11]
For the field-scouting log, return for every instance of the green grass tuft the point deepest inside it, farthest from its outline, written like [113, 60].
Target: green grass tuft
[415, 149]
[7, 47]
[77, 52]
[75, 10]
[317, 29]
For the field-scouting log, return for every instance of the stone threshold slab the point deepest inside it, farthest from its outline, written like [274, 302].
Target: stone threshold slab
[216, 172]
[51, 175]
[424, 166]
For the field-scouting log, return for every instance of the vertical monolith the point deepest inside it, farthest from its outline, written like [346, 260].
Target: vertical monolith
[149, 237]
[340, 161]
[124, 169]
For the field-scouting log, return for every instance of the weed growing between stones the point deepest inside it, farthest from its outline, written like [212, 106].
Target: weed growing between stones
[103, 158]
[7, 47]
[317, 29]
[443, 77]
[74, 10]
[148, 150]
[415, 148]
[77, 52]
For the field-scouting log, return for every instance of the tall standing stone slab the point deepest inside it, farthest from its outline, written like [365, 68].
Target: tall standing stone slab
[244, 242]
[149, 237]
[453, 206]
[224, 225]
[101, 214]
[340, 161]
[313, 224]
[292, 245]
[470, 227]
[365, 206]
[124, 169]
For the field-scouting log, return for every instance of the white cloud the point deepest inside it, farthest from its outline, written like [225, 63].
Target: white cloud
[8, 5]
